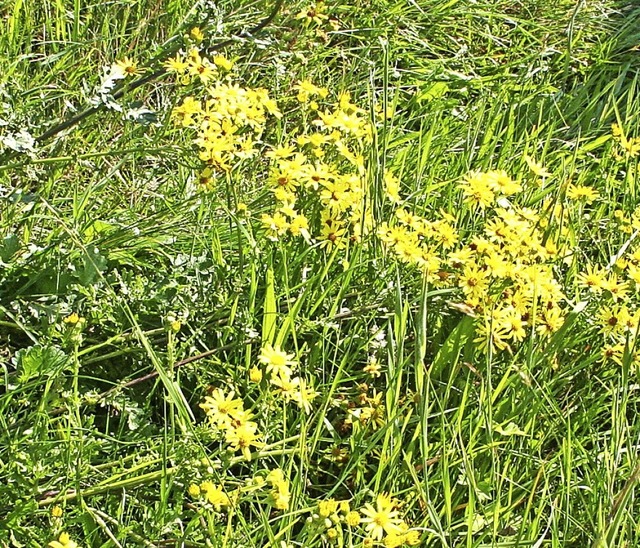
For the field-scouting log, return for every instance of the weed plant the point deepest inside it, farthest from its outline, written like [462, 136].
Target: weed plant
[315, 274]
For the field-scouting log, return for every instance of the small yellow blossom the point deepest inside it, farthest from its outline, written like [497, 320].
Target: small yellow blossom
[255, 375]
[222, 62]
[64, 541]
[313, 14]
[352, 519]
[373, 367]
[214, 494]
[306, 90]
[72, 319]
[327, 507]
[176, 64]
[412, 538]
[222, 408]
[581, 192]
[242, 438]
[382, 518]
[196, 35]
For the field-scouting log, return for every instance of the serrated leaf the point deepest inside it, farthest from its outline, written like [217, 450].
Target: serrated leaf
[39, 360]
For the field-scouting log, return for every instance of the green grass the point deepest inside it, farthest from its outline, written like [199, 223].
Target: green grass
[101, 429]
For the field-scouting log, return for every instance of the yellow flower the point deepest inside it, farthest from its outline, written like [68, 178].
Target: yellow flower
[373, 367]
[327, 507]
[64, 541]
[255, 374]
[594, 278]
[381, 519]
[127, 66]
[581, 192]
[275, 476]
[501, 182]
[222, 409]
[313, 14]
[281, 152]
[304, 395]
[537, 168]
[196, 35]
[201, 67]
[276, 225]
[352, 519]
[332, 234]
[286, 386]
[277, 362]
[477, 190]
[306, 90]
[176, 64]
[242, 438]
[222, 62]
[280, 495]
[299, 226]
[394, 541]
[214, 494]
[412, 538]
[392, 187]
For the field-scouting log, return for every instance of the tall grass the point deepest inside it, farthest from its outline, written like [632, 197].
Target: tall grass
[132, 295]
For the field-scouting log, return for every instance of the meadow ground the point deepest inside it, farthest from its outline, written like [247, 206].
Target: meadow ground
[308, 274]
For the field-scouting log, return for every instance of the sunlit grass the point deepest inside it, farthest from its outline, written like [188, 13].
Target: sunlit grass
[366, 276]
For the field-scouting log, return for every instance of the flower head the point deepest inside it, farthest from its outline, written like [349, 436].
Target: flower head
[277, 361]
[382, 518]
[64, 541]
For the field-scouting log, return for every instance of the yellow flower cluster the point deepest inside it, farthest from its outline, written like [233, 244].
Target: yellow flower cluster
[617, 316]
[370, 412]
[195, 66]
[480, 189]
[228, 120]
[504, 273]
[419, 242]
[381, 523]
[279, 367]
[280, 494]
[509, 280]
[323, 172]
[227, 415]
[213, 494]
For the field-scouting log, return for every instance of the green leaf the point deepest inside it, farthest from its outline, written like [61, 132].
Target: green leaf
[39, 360]
[269, 309]
[8, 247]
[94, 263]
[435, 91]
